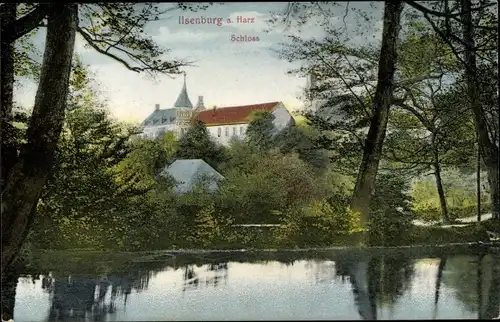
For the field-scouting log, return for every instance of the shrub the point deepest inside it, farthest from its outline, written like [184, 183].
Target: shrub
[208, 227]
[319, 224]
[263, 191]
[391, 214]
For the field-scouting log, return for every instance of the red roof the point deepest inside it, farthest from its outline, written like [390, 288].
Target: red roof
[233, 114]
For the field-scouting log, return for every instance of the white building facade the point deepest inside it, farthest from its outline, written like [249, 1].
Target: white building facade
[227, 123]
[223, 123]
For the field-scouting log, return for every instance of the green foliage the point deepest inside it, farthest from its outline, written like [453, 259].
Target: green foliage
[261, 130]
[318, 224]
[149, 219]
[103, 192]
[267, 188]
[425, 235]
[391, 215]
[210, 227]
[301, 140]
[460, 193]
[138, 171]
[197, 144]
[170, 144]
[26, 58]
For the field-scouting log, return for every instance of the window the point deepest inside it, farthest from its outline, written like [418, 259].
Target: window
[241, 130]
[234, 130]
[227, 131]
[219, 131]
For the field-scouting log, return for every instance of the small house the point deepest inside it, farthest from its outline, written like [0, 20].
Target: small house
[188, 173]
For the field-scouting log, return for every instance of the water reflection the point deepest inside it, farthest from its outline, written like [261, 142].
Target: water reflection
[193, 287]
[214, 274]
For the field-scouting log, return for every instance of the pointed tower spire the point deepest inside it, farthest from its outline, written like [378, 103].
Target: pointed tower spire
[183, 98]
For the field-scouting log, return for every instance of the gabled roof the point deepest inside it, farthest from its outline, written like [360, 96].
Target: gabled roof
[188, 172]
[159, 117]
[183, 98]
[233, 114]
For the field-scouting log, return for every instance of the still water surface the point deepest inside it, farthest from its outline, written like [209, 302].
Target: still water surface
[283, 286]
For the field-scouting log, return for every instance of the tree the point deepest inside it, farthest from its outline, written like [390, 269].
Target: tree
[169, 144]
[111, 29]
[302, 141]
[475, 23]
[28, 174]
[365, 183]
[444, 138]
[392, 216]
[138, 171]
[197, 144]
[349, 70]
[103, 183]
[261, 130]
[259, 188]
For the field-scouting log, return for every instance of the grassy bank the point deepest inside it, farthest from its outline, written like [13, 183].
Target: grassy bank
[268, 239]
[435, 235]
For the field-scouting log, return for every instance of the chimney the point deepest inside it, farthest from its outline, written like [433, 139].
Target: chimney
[213, 109]
[157, 107]
[200, 105]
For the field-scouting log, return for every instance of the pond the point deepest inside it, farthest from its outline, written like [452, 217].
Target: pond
[443, 283]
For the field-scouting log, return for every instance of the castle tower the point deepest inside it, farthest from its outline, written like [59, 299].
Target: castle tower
[312, 82]
[184, 110]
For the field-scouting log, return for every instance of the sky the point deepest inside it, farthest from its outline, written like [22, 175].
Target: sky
[225, 72]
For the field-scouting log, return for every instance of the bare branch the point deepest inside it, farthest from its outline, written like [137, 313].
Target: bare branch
[444, 38]
[345, 15]
[90, 41]
[419, 79]
[454, 16]
[344, 81]
[418, 115]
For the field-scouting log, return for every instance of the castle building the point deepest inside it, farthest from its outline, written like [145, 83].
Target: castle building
[176, 119]
[226, 123]
[311, 83]
[223, 123]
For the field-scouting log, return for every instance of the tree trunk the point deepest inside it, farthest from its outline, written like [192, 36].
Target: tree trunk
[492, 170]
[479, 286]
[7, 15]
[439, 182]
[488, 149]
[27, 178]
[8, 149]
[478, 183]
[9, 286]
[492, 309]
[365, 183]
[439, 279]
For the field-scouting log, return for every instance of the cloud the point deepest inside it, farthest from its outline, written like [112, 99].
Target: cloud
[166, 36]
